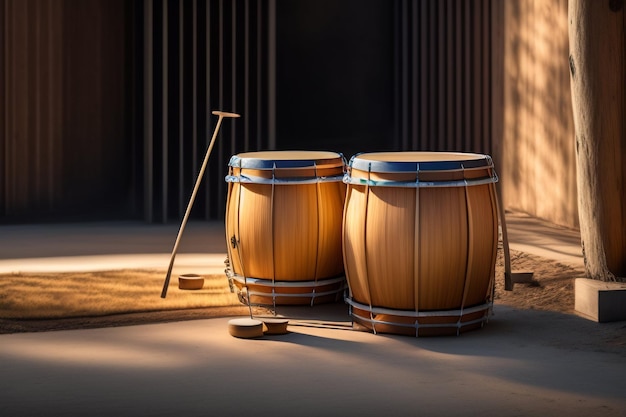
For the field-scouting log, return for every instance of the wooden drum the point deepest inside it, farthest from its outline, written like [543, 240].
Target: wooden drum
[283, 227]
[419, 241]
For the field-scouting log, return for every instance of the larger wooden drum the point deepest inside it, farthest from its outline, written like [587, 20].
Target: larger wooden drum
[283, 227]
[420, 240]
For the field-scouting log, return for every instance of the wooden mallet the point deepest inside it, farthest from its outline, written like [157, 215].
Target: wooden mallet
[221, 115]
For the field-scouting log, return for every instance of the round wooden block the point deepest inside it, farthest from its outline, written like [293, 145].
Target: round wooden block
[275, 326]
[190, 282]
[245, 328]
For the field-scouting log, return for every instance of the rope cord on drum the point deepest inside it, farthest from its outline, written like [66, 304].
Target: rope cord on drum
[236, 242]
[273, 238]
[416, 249]
[317, 247]
[367, 279]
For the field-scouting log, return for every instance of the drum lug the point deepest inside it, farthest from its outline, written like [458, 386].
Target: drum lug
[243, 299]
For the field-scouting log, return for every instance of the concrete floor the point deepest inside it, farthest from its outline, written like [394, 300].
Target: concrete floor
[522, 363]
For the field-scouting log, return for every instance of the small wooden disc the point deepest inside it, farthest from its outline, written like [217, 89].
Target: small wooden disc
[275, 326]
[190, 282]
[245, 328]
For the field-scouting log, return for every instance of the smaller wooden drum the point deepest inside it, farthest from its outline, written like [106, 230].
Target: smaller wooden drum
[420, 240]
[283, 227]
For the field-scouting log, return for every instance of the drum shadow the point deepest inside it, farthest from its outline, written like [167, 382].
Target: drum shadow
[530, 328]
[307, 324]
[510, 333]
[297, 334]
[525, 349]
[336, 312]
[536, 348]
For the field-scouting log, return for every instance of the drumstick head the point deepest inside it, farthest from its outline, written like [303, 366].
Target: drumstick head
[225, 114]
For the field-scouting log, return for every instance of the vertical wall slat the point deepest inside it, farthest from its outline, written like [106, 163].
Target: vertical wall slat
[246, 77]
[440, 139]
[404, 75]
[415, 92]
[220, 95]
[477, 51]
[148, 116]
[449, 77]
[233, 65]
[220, 62]
[259, 77]
[271, 69]
[165, 114]
[46, 186]
[209, 103]
[467, 86]
[55, 105]
[397, 83]
[487, 137]
[3, 108]
[433, 74]
[496, 47]
[36, 104]
[181, 108]
[458, 81]
[20, 92]
[10, 120]
[422, 26]
[194, 89]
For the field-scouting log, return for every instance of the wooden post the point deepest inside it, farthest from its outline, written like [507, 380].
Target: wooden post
[598, 82]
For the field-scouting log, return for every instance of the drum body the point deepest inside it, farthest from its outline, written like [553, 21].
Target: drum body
[283, 227]
[420, 240]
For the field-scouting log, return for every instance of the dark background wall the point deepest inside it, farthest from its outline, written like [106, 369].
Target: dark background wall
[335, 63]
[105, 105]
[66, 109]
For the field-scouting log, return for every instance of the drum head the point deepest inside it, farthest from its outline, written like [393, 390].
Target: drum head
[286, 167]
[414, 161]
[420, 169]
[286, 159]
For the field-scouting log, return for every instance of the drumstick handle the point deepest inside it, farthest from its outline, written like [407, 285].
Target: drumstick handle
[220, 115]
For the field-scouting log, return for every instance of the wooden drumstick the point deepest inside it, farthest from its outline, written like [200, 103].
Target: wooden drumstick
[221, 115]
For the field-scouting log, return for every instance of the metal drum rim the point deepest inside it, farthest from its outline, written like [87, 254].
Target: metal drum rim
[361, 162]
[248, 160]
